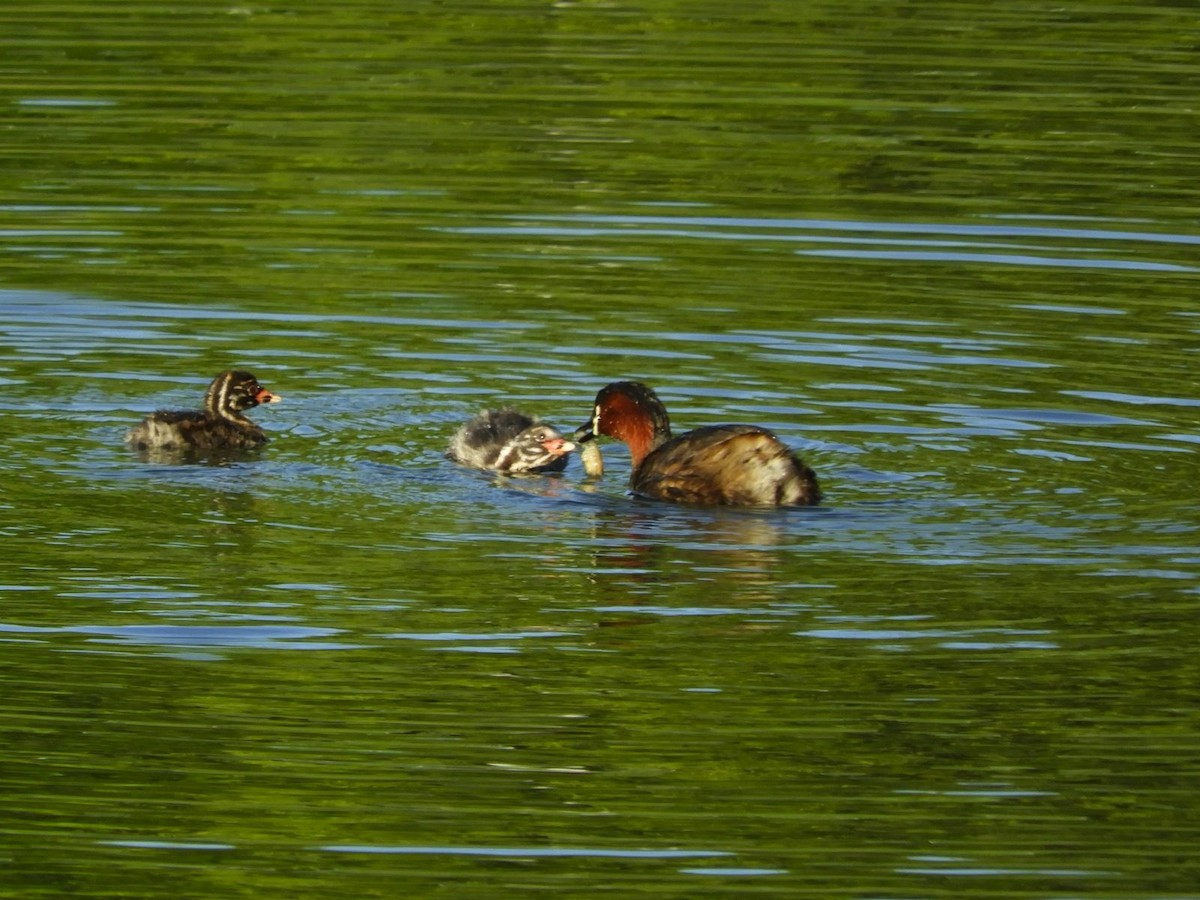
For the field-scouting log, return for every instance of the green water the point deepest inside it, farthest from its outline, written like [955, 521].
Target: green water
[947, 252]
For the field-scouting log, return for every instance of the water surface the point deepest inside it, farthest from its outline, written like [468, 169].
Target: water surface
[948, 254]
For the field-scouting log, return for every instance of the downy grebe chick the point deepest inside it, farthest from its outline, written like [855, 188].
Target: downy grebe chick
[731, 465]
[219, 425]
[506, 440]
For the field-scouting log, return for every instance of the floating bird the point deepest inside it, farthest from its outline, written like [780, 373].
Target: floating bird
[219, 425]
[506, 440]
[731, 465]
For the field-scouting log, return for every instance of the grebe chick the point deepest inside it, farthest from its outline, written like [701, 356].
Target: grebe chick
[506, 440]
[219, 425]
[730, 465]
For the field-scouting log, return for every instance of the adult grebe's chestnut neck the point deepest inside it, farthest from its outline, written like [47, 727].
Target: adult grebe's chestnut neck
[631, 412]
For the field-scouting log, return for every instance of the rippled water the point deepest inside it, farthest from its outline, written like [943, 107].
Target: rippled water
[948, 254]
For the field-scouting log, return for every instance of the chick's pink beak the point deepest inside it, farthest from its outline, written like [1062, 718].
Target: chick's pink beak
[265, 396]
[558, 446]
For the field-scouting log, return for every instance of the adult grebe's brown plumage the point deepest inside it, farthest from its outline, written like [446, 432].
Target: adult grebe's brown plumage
[731, 465]
[506, 440]
[219, 425]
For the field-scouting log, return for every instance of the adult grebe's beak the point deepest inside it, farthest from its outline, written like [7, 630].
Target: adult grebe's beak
[584, 433]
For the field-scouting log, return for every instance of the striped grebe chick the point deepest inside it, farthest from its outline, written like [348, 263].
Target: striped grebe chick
[506, 440]
[219, 425]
